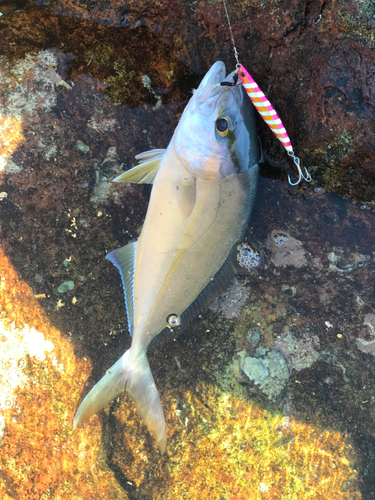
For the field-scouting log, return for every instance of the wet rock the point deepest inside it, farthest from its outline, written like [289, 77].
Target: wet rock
[217, 435]
[286, 250]
[105, 171]
[253, 337]
[368, 345]
[230, 302]
[7, 166]
[38, 92]
[315, 63]
[369, 321]
[82, 147]
[102, 124]
[299, 353]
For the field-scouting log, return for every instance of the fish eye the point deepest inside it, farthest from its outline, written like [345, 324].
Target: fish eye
[173, 320]
[222, 126]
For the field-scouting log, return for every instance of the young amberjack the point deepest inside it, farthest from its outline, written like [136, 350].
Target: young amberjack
[204, 187]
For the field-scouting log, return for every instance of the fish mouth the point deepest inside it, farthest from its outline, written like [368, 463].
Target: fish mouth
[210, 88]
[214, 75]
[210, 85]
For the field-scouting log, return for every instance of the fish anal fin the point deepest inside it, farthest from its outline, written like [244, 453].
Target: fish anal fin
[146, 170]
[124, 259]
[250, 257]
[133, 376]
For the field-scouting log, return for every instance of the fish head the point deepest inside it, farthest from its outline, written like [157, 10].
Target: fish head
[216, 135]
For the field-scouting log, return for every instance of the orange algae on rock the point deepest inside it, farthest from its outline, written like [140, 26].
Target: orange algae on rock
[11, 135]
[40, 385]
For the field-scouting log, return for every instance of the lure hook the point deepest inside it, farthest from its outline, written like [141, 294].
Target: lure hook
[297, 162]
[231, 84]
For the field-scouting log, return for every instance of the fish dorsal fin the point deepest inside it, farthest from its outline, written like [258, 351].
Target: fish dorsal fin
[124, 259]
[145, 171]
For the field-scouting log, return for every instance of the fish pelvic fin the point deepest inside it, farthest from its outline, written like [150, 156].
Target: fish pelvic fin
[146, 170]
[134, 377]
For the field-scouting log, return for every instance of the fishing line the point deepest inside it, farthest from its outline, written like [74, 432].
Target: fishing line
[231, 34]
[265, 108]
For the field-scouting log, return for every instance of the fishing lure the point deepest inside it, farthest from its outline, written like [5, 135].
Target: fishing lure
[269, 115]
[265, 108]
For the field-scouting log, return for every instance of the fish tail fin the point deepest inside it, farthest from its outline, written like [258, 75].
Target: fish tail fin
[134, 377]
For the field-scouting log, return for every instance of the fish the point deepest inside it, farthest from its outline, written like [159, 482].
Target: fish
[203, 191]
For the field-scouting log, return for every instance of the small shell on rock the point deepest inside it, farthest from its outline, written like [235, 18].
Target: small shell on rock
[62, 87]
[21, 363]
[82, 147]
[253, 337]
[66, 286]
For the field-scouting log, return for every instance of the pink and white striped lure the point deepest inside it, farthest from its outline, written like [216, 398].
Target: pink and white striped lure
[269, 115]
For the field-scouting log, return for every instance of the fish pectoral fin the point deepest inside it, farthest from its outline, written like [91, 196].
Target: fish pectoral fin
[186, 195]
[134, 377]
[152, 154]
[146, 170]
[124, 259]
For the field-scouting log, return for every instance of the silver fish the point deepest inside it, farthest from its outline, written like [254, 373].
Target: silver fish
[204, 185]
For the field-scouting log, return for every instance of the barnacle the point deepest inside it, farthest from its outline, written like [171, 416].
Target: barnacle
[247, 256]
[8, 403]
[280, 239]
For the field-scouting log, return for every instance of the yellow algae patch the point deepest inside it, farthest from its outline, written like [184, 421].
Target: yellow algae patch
[223, 448]
[227, 449]
[40, 385]
[10, 136]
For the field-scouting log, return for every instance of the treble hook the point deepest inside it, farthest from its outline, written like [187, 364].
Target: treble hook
[297, 162]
